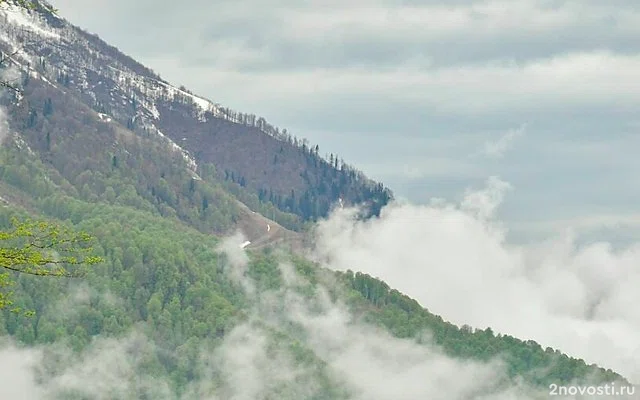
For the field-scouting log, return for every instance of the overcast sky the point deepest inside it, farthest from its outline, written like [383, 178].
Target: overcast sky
[431, 97]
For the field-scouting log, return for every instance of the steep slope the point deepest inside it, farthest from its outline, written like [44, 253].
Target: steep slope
[167, 292]
[268, 164]
[152, 205]
[96, 157]
[99, 160]
[165, 281]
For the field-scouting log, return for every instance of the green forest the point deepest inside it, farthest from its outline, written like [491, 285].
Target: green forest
[163, 275]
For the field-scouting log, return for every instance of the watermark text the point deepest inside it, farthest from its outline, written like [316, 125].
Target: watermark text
[608, 389]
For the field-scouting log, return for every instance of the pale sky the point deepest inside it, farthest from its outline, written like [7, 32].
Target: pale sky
[430, 97]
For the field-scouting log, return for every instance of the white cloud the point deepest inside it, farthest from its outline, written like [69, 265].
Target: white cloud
[108, 369]
[366, 361]
[456, 262]
[441, 21]
[16, 372]
[236, 267]
[499, 147]
[565, 81]
[484, 203]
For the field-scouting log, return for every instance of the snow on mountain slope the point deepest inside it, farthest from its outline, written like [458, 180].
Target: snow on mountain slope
[25, 35]
[30, 22]
[115, 86]
[102, 73]
[191, 162]
[51, 49]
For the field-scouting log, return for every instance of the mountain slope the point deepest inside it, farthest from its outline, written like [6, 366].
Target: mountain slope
[78, 150]
[270, 165]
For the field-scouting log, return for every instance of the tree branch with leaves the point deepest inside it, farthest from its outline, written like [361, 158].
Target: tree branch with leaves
[42, 249]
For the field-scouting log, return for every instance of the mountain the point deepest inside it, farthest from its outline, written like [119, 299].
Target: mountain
[159, 176]
[269, 164]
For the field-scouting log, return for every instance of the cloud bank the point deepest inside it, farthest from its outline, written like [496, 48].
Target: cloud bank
[363, 362]
[359, 361]
[454, 259]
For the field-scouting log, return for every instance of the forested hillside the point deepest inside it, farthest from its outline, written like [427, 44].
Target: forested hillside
[166, 280]
[175, 311]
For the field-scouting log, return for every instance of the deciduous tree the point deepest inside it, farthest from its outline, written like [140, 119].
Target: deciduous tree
[42, 249]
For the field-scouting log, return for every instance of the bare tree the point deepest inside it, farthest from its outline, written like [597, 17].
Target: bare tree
[29, 5]
[4, 58]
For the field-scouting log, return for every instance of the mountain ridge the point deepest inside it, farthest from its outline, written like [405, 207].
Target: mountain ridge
[268, 163]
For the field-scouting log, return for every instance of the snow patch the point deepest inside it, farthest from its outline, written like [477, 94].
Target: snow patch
[36, 75]
[155, 89]
[21, 144]
[203, 104]
[27, 59]
[29, 20]
[153, 110]
[191, 162]
[104, 117]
